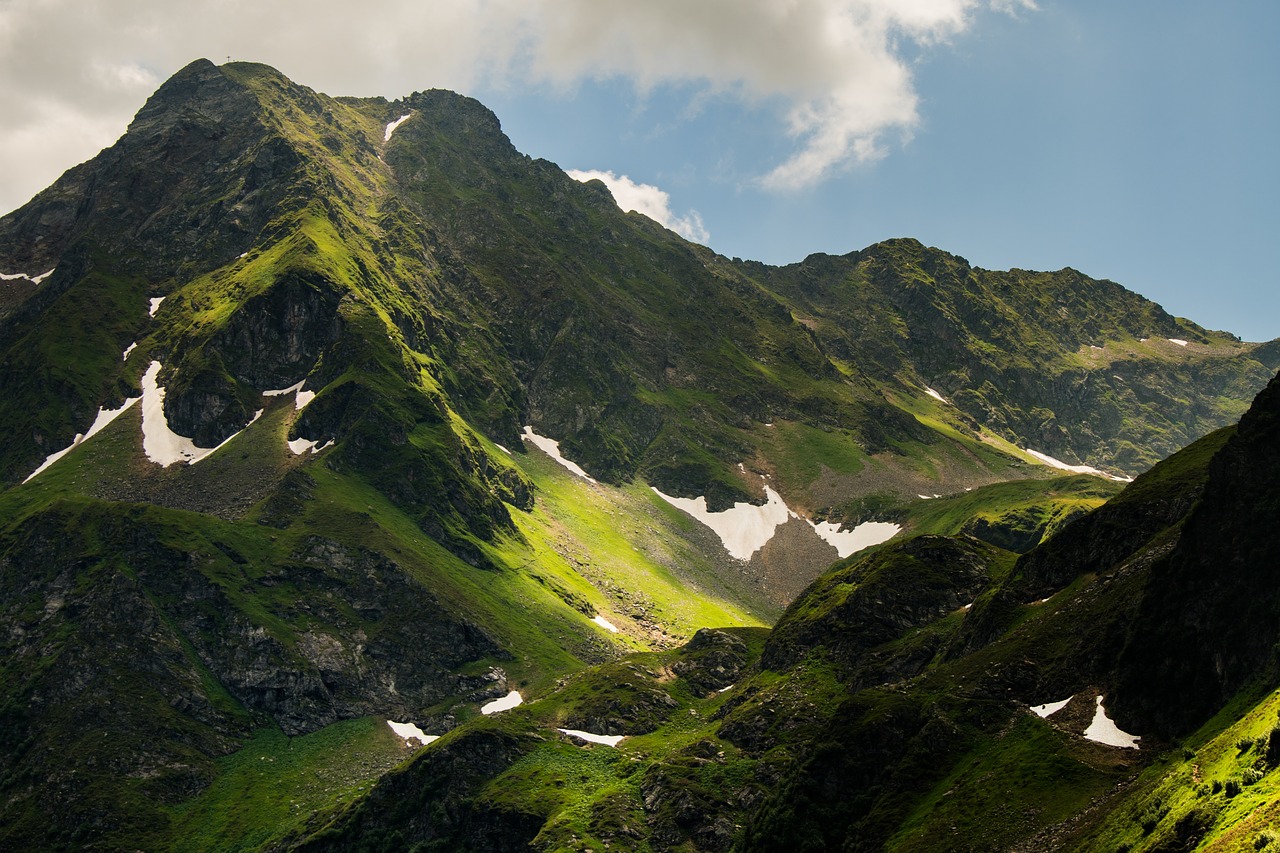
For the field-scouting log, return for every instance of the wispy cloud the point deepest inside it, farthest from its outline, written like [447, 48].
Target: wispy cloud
[71, 73]
[649, 200]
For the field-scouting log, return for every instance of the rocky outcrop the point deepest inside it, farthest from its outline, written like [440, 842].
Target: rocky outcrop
[433, 803]
[877, 599]
[1210, 611]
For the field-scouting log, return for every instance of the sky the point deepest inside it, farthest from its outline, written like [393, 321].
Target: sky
[1133, 141]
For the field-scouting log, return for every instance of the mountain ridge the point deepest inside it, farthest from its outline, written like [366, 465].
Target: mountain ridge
[380, 324]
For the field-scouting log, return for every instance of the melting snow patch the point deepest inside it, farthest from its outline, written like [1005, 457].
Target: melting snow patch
[934, 394]
[105, 416]
[865, 535]
[604, 623]
[300, 399]
[607, 740]
[161, 444]
[1103, 730]
[130, 348]
[503, 449]
[1179, 341]
[1050, 708]
[1075, 469]
[34, 279]
[552, 449]
[743, 528]
[506, 703]
[725, 689]
[409, 731]
[300, 446]
[391, 127]
[155, 305]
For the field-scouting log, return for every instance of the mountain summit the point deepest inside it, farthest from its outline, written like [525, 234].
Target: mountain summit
[322, 410]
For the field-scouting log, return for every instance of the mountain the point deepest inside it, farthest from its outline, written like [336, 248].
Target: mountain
[327, 411]
[939, 694]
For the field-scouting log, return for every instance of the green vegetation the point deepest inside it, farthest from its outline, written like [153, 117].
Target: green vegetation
[202, 657]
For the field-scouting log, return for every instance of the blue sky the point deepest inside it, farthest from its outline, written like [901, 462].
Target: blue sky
[1132, 141]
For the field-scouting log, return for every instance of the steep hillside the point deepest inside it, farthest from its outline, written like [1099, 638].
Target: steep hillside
[940, 694]
[322, 412]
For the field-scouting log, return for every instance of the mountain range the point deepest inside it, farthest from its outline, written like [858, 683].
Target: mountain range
[324, 413]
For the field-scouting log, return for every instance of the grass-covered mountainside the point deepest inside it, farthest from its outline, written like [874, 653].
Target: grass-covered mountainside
[278, 376]
[938, 694]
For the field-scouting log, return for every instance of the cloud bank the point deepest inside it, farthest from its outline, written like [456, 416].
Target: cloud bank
[72, 73]
[649, 200]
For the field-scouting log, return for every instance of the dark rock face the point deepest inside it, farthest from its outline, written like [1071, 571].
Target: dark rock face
[874, 601]
[145, 660]
[1210, 612]
[432, 803]
[712, 660]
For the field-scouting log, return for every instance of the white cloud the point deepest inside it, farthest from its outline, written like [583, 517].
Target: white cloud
[649, 200]
[72, 73]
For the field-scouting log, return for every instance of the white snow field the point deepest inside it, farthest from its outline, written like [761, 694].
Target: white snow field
[1075, 469]
[124, 356]
[506, 703]
[551, 447]
[604, 623]
[34, 279]
[1179, 341]
[391, 127]
[161, 444]
[745, 528]
[1050, 708]
[300, 397]
[607, 740]
[105, 416]
[865, 535]
[935, 395]
[1103, 730]
[155, 305]
[409, 731]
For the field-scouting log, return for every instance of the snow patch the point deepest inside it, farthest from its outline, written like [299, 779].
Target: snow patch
[391, 127]
[743, 528]
[551, 447]
[300, 399]
[161, 444]
[155, 305]
[1103, 730]
[34, 279]
[1179, 341]
[503, 449]
[1050, 708]
[105, 416]
[1094, 346]
[1075, 469]
[409, 731]
[607, 740]
[127, 350]
[934, 394]
[506, 703]
[865, 535]
[300, 446]
[604, 623]
[725, 689]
